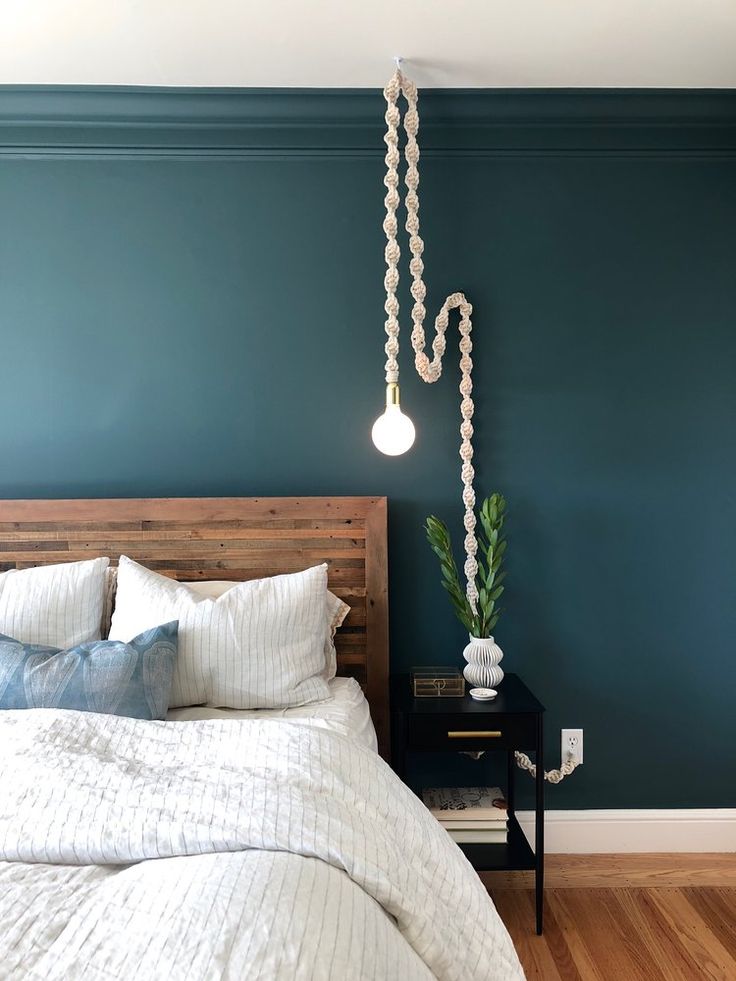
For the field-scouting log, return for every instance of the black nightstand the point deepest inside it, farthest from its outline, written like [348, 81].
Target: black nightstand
[513, 720]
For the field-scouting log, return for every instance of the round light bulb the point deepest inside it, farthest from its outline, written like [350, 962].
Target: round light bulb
[393, 433]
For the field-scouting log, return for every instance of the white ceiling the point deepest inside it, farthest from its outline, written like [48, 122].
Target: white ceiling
[445, 43]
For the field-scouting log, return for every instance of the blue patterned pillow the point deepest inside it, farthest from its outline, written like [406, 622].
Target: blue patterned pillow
[106, 676]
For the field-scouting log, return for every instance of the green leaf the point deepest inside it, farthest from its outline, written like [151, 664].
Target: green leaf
[491, 547]
[498, 556]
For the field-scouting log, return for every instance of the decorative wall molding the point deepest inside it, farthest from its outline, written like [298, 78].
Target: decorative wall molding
[117, 121]
[701, 829]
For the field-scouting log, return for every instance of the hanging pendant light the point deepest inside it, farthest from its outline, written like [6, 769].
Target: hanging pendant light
[393, 432]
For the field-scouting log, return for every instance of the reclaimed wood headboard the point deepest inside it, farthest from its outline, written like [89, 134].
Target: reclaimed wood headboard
[234, 538]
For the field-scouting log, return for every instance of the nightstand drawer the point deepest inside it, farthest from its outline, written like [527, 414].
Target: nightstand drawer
[459, 732]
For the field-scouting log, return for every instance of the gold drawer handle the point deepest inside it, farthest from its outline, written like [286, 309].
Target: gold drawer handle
[477, 733]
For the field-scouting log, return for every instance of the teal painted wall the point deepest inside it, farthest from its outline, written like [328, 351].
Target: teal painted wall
[197, 309]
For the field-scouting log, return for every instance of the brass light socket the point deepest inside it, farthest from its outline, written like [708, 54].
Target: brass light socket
[392, 394]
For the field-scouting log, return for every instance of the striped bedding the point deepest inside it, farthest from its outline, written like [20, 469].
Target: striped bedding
[225, 849]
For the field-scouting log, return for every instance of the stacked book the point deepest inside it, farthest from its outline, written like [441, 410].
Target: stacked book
[469, 814]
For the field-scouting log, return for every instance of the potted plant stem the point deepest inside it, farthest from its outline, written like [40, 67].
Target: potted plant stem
[480, 617]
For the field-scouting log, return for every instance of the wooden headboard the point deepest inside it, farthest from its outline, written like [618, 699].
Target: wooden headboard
[234, 538]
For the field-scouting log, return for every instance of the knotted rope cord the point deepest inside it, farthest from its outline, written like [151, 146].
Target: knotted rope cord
[429, 371]
[554, 776]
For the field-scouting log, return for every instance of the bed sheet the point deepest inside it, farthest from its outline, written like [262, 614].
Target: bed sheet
[346, 711]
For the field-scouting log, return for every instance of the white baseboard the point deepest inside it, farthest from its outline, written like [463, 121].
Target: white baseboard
[701, 829]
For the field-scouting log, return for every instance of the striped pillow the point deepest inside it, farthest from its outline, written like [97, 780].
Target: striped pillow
[335, 613]
[259, 645]
[55, 605]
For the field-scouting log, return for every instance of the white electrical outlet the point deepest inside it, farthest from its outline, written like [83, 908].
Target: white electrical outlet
[571, 745]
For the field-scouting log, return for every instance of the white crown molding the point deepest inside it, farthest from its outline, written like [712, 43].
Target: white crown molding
[700, 829]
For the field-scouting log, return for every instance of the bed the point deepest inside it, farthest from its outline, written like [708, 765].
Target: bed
[271, 843]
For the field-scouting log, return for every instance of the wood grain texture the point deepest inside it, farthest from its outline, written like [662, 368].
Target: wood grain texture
[232, 538]
[629, 871]
[622, 934]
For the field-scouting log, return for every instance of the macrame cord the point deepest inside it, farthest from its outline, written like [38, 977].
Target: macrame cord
[554, 776]
[430, 371]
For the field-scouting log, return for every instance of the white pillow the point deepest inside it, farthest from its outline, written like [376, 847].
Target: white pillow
[335, 613]
[54, 605]
[259, 645]
[337, 610]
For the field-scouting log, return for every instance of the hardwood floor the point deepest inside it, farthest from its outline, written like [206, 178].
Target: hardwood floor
[644, 932]
[624, 871]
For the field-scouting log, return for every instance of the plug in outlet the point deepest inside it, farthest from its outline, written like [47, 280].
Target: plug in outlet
[572, 745]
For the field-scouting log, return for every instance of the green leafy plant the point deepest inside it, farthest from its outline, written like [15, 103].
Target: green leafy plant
[490, 576]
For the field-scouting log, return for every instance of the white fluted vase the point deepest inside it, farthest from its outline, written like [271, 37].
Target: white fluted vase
[483, 656]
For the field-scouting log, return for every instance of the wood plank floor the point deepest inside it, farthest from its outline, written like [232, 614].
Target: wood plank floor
[652, 934]
[624, 871]
[624, 932]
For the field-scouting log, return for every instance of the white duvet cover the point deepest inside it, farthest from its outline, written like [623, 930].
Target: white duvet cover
[225, 849]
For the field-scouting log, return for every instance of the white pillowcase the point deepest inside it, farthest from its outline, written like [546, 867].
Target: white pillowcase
[55, 605]
[258, 645]
[335, 612]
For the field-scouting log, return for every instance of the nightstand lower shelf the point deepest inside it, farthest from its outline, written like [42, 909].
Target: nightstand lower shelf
[513, 855]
